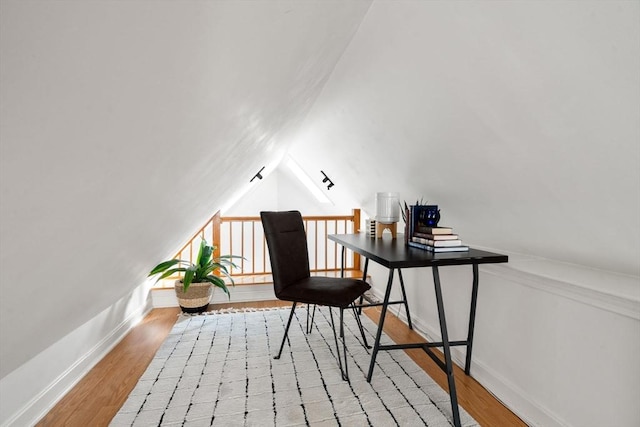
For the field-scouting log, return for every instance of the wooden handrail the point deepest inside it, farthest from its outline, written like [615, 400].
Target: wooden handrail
[243, 235]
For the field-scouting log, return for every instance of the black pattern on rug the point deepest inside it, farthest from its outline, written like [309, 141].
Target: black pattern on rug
[218, 370]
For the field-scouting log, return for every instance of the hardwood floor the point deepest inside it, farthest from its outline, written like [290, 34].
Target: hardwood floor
[472, 396]
[100, 394]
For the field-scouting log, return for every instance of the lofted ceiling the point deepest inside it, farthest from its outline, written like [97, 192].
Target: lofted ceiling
[126, 124]
[521, 120]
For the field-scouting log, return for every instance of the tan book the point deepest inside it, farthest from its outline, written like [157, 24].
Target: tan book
[434, 230]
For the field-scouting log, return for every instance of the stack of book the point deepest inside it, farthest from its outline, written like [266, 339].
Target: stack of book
[437, 239]
[430, 237]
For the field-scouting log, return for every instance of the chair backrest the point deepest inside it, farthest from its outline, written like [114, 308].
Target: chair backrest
[287, 243]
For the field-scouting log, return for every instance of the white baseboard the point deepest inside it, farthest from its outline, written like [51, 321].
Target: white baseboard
[512, 397]
[32, 390]
[167, 297]
[245, 293]
[611, 293]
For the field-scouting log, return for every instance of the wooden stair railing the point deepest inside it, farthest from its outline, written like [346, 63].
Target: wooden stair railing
[240, 235]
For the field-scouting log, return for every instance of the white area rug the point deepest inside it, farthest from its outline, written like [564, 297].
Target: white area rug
[218, 370]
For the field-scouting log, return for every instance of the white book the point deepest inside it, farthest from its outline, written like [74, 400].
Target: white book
[438, 243]
[438, 250]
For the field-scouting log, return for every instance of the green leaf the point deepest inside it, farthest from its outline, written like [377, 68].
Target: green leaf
[229, 257]
[205, 255]
[204, 269]
[163, 266]
[218, 282]
[223, 269]
[203, 243]
[215, 280]
[170, 273]
[188, 277]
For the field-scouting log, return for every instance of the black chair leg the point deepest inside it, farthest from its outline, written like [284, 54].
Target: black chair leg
[313, 314]
[360, 301]
[344, 346]
[343, 371]
[355, 314]
[286, 330]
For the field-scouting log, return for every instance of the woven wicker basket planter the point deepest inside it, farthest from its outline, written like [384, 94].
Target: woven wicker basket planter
[197, 297]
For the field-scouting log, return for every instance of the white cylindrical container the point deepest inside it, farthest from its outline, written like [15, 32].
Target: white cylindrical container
[387, 208]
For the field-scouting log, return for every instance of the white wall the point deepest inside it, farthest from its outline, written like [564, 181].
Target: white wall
[521, 120]
[282, 190]
[556, 351]
[124, 126]
[30, 391]
[278, 190]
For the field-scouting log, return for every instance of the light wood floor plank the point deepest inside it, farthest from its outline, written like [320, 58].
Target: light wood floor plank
[100, 394]
[474, 398]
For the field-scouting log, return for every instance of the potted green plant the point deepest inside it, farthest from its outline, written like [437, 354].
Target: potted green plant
[195, 289]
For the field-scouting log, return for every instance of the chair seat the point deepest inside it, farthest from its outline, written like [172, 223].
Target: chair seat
[289, 256]
[331, 291]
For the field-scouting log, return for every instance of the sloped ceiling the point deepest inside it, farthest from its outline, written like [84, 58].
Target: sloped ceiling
[521, 120]
[126, 123]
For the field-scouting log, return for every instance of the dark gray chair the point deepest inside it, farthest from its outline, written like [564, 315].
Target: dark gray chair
[292, 281]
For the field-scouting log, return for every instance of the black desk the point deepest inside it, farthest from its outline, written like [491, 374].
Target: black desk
[395, 255]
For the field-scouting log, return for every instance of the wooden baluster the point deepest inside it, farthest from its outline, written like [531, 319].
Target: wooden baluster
[216, 222]
[356, 229]
[253, 247]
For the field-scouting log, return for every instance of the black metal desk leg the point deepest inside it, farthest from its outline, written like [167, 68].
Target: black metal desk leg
[364, 279]
[447, 350]
[404, 298]
[472, 319]
[366, 267]
[383, 313]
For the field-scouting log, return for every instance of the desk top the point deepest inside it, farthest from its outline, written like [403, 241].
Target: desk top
[393, 253]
